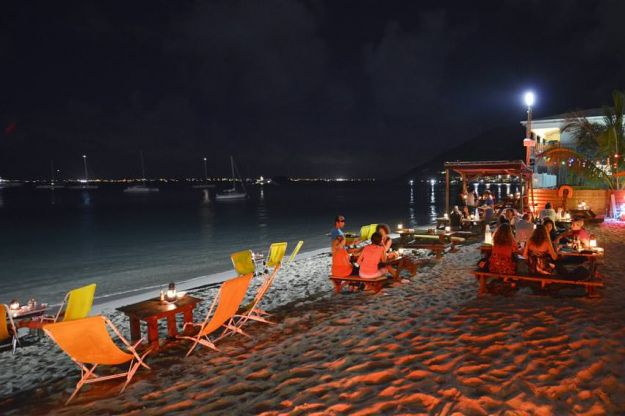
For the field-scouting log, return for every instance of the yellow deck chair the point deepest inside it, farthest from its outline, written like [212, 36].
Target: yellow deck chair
[77, 304]
[7, 327]
[243, 262]
[221, 311]
[277, 251]
[295, 251]
[372, 228]
[253, 311]
[89, 344]
[364, 233]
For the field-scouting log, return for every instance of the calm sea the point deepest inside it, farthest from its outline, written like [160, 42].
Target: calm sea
[53, 241]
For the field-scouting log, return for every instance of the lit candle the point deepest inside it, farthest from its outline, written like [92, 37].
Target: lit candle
[593, 241]
[446, 216]
[171, 292]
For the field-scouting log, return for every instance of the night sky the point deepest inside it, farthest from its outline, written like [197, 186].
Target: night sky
[329, 88]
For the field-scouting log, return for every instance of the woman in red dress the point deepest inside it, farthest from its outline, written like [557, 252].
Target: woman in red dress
[504, 246]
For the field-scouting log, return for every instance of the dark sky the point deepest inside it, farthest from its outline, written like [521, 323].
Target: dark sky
[331, 88]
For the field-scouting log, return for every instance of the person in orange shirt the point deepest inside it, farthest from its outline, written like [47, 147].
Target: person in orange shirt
[341, 260]
[370, 258]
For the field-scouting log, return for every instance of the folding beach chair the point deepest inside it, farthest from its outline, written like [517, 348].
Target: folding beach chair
[243, 262]
[372, 228]
[364, 232]
[223, 308]
[252, 311]
[77, 304]
[295, 251]
[7, 327]
[88, 343]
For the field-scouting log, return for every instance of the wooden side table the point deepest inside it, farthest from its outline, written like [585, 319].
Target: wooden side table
[150, 311]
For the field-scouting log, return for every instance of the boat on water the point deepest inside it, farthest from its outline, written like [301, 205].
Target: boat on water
[205, 184]
[84, 183]
[52, 185]
[143, 188]
[264, 181]
[233, 193]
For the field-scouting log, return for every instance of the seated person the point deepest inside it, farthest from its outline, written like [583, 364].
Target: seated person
[465, 213]
[455, 218]
[487, 213]
[548, 212]
[385, 230]
[339, 223]
[540, 253]
[551, 229]
[371, 257]
[504, 246]
[524, 229]
[576, 233]
[341, 262]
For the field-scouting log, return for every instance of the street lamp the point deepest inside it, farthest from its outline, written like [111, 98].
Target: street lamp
[529, 99]
[205, 170]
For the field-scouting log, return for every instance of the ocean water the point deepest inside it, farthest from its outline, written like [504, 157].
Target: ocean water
[51, 242]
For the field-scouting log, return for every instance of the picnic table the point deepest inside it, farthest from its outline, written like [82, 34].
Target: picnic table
[26, 317]
[151, 310]
[590, 255]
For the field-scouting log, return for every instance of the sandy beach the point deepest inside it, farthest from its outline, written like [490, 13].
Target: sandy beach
[430, 346]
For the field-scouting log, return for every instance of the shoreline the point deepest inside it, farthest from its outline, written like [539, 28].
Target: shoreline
[194, 283]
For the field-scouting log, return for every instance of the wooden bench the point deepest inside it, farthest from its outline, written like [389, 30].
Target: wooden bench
[589, 285]
[375, 284]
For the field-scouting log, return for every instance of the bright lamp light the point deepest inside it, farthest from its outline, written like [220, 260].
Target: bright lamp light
[529, 98]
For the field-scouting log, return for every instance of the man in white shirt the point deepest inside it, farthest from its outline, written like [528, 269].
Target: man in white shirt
[548, 212]
[524, 229]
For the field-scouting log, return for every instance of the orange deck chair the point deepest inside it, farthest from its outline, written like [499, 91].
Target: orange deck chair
[89, 344]
[7, 327]
[221, 311]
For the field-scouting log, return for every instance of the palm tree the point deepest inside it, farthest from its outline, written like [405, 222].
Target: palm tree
[596, 141]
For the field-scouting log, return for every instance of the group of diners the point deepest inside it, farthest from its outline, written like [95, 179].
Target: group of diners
[368, 262]
[522, 245]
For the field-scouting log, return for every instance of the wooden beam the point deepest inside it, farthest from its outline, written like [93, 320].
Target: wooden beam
[447, 191]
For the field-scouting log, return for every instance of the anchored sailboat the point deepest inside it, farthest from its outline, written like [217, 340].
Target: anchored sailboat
[204, 185]
[232, 193]
[84, 183]
[141, 189]
[53, 184]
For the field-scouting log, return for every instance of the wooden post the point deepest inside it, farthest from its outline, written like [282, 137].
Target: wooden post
[447, 191]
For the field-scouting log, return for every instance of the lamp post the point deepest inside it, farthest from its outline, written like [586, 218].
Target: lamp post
[205, 170]
[528, 142]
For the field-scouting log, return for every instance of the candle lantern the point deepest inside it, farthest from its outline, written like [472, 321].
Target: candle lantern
[14, 305]
[171, 292]
[488, 236]
[593, 241]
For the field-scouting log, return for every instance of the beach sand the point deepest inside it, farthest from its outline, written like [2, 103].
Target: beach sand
[430, 346]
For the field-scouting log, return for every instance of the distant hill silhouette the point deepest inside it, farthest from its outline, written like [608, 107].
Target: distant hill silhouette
[500, 143]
